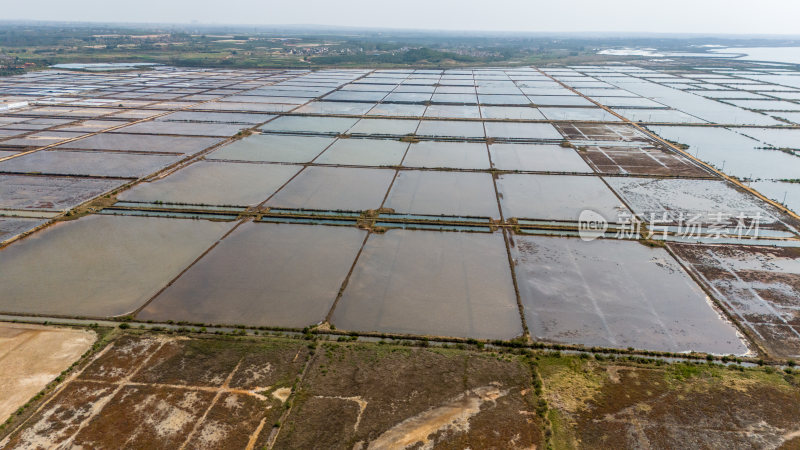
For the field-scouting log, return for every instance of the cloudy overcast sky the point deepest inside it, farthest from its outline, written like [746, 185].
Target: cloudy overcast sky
[670, 16]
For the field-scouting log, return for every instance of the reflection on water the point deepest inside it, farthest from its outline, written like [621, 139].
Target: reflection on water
[99, 265]
[614, 293]
[263, 274]
[215, 183]
[443, 193]
[431, 283]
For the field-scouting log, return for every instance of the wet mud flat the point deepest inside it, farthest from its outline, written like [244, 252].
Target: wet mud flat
[640, 160]
[11, 227]
[600, 132]
[43, 193]
[617, 294]
[89, 163]
[760, 287]
[673, 201]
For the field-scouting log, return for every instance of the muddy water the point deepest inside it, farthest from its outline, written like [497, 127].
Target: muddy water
[431, 283]
[215, 183]
[99, 265]
[263, 275]
[335, 188]
[618, 294]
[443, 193]
[274, 148]
[556, 197]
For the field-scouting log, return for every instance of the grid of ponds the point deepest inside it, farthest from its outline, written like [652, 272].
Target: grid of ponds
[428, 203]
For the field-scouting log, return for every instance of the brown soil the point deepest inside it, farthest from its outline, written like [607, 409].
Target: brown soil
[600, 132]
[31, 356]
[636, 407]
[145, 391]
[639, 161]
[156, 391]
[368, 396]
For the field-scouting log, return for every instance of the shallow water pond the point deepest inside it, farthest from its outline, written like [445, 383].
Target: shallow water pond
[279, 275]
[431, 283]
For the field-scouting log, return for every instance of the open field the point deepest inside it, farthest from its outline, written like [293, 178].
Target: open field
[31, 356]
[168, 390]
[605, 404]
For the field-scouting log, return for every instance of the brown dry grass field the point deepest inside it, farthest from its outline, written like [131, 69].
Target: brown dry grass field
[146, 389]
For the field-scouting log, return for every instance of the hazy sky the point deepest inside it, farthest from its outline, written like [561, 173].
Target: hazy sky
[673, 16]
